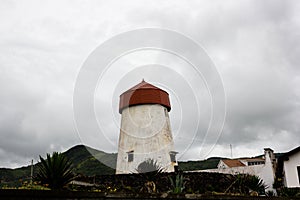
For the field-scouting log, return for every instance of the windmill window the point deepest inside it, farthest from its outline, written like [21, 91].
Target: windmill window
[173, 156]
[298, 170]
[166, 112]
[130, 156]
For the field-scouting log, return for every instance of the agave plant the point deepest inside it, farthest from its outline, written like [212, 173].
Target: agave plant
[149, 165]
[178, 185]
[55, 171]
[256, 184]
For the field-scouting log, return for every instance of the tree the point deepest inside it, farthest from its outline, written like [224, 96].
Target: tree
[55, 171]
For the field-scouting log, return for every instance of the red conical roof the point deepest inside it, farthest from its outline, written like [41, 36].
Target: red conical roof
[144, 93]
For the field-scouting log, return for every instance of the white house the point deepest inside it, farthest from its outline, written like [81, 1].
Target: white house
[264, 167]
[289, 168]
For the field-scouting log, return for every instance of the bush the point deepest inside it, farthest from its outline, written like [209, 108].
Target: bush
[55, 171]
[289, 192]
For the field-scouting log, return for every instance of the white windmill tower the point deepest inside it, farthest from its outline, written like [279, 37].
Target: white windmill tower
[145, 129]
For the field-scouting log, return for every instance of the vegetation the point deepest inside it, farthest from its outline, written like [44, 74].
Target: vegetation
[90, 162]
[199, 165]
[289, 192]
[83, 162]
[14, 177]
[178, 185]
[55, 171]
[149, 166]
[151, 178]
[193, 183]
[149, 170]
[270, 193]
[247, 184]
[256, 184]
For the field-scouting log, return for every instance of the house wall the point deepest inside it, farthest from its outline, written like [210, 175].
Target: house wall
[290, 171]
[145, 130]
[265, 172]
[222, 165]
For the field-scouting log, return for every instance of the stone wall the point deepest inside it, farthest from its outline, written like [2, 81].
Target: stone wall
[58, 195]
[135, 183]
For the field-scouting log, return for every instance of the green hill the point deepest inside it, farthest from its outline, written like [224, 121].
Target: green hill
[14, 177]
[210, 163]
[83, 163]
[90, 162]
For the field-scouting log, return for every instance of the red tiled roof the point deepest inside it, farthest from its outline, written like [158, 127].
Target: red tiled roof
[144, 93]
[142, 85]
[233, 163]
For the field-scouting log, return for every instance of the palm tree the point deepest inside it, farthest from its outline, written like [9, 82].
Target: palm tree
[55, 171]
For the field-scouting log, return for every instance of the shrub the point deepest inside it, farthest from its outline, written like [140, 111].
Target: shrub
[55, 171]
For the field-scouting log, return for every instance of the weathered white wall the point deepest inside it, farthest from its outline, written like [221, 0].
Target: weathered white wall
[267, 173]
[290, 171]
[145, 129]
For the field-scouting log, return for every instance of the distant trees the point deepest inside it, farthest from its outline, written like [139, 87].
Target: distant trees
[55, 171]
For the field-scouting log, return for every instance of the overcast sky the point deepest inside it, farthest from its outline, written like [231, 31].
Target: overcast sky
[254, 46]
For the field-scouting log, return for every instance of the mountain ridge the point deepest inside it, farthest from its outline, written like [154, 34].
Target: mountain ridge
[84, 162]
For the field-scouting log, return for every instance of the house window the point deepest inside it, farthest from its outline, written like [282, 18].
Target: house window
[298, 169]
[130, 156]
[173, 156]
[256, 163]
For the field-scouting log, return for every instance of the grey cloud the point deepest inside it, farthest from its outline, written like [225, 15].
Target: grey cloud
[255, 46]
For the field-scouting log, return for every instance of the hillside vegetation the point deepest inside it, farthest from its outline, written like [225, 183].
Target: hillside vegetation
[83, 163]
[210, 163]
